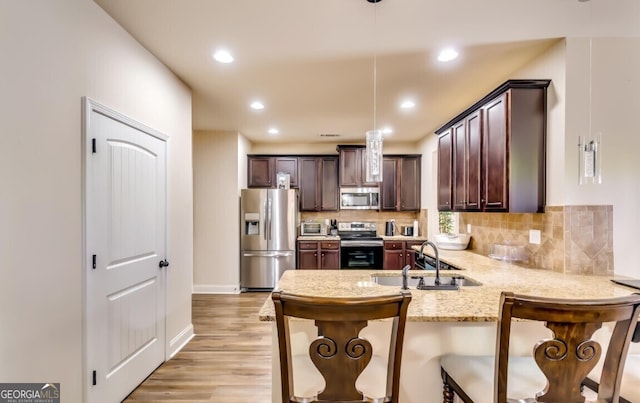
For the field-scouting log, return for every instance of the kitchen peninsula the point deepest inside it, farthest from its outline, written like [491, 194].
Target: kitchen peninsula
[440, 322]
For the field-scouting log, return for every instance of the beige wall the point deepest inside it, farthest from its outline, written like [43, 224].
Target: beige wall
[55, 52]
[216, 166]
[615, 103]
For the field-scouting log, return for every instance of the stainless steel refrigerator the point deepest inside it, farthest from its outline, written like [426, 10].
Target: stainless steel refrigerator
[268, 228]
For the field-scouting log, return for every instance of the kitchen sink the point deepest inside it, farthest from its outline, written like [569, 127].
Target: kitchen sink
[427, 281]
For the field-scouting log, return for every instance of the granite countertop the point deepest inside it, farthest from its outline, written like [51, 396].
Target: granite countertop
[468, 304]
[403, 238]
[318, 238]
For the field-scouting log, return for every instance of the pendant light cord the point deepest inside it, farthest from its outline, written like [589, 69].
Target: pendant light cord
[375, 63]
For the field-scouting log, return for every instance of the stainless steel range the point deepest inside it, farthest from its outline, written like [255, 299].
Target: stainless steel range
[360, 246]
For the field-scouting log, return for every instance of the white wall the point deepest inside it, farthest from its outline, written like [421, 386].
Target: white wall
[217, 211]
[615, 103]
[53, 53]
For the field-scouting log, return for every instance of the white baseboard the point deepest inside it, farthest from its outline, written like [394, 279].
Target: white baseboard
[216, 289]
[177, 343]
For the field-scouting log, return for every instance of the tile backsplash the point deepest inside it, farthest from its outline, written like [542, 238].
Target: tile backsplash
[401, 218]
[574, 239]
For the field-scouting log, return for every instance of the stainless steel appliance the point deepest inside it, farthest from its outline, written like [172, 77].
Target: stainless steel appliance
[313, 228]
[268, 227]
[360, 247]
[360, 198]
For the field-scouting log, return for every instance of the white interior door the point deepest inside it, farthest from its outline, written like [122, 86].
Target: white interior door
[125, 189]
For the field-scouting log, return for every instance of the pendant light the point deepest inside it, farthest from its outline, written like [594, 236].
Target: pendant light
[590, 145]
[373, 153]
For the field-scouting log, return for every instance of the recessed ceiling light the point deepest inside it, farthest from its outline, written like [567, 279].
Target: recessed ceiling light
[408, 104]
[223, 56]
[447, 55]
[387, 130]
[273, 131]
[257, 105]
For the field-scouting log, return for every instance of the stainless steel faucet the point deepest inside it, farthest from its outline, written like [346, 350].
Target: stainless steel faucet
[435, 251]
[405, 272]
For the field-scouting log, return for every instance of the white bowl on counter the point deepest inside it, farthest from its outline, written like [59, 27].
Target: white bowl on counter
[453, 241]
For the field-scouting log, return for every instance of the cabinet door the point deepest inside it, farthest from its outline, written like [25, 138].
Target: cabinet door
[309, 189]
[308, 255]
[393, 259]
[459, 138]
[308, 259]
[330, 259]
[473, 168]
[260, 173]
[495, 143]
[389, 185]
[288, 165]
[445, 156]
[409, 187]
[410, 253]
[329, 184]
[350, 165]
[393, 255]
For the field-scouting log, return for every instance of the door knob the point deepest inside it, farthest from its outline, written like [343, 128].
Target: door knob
[163, 263]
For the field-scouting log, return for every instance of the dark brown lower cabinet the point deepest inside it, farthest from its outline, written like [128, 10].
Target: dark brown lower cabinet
[398, 254]
[318, 255]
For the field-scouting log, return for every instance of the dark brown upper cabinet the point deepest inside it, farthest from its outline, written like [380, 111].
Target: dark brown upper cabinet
[353, 159]
[318, 183]
[400, 187]
[262, 170]
[445, 167]
[496, 152]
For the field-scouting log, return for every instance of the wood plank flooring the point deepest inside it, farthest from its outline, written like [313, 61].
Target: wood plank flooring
[229, 359]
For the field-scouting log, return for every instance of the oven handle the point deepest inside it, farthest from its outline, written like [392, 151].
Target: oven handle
[344, 243]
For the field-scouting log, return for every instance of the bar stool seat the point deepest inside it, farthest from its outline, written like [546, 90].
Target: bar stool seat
[630, 386]
[558, 366]
[477, 373]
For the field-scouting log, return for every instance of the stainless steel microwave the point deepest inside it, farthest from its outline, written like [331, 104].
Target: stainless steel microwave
[360, 198]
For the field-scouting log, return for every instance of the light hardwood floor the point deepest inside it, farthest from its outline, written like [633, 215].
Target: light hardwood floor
[229, 359]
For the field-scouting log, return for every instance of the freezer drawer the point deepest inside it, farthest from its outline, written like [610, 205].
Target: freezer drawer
[262, 270]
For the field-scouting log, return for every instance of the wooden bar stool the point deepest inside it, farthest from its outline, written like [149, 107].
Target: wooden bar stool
[630, 386]
[339, 353]
[558, 366]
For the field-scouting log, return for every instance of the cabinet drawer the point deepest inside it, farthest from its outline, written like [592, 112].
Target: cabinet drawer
[330, 245]
[389, 245]
[306, 245]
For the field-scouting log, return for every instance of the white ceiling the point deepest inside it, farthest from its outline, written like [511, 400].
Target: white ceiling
[311, 62]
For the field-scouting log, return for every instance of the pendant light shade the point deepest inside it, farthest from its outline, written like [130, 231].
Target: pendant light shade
[374, 156]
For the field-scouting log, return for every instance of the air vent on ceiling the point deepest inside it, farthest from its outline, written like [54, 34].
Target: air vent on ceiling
[329, 135]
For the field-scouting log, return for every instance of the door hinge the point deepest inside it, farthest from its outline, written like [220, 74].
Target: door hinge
[94, 377]
[93, 146]
[93, 261]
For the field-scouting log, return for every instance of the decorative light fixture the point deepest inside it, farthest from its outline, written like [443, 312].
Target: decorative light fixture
[373, 153]
[590, 145]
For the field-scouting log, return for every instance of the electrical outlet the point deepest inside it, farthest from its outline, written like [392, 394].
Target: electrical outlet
[468, 228]
[534, 236]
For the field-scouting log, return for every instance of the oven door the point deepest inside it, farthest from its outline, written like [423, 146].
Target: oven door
[361, 257]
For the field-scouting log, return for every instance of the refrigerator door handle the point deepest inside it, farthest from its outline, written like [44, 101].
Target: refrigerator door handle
[269, 211]
[266, 218]
[274, 254]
